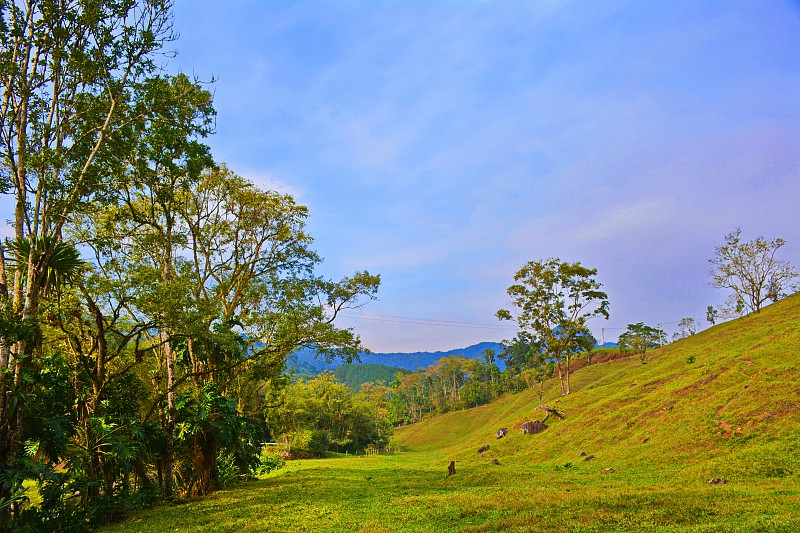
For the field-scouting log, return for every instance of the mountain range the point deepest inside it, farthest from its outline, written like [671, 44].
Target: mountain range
[306, 357]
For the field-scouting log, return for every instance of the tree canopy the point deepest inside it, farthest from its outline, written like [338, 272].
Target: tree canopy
[752, 270]
[553, 301]
[640, 337]
[150, 296]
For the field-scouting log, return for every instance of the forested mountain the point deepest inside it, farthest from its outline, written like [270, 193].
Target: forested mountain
[410, 361]
[300, 368]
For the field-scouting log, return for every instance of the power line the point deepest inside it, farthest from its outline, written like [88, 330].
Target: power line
[427, 321]
[375, 317]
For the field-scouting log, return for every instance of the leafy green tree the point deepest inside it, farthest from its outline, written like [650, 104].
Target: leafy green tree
[410, 397]
[519, 355]
[554, 301]
[161, 347]
[375, 398]
[751, 270]
[711, 315]
[641, 337]
[69, 72]
[165, 166]
[321, 413]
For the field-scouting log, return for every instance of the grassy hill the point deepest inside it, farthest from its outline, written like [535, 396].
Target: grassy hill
[724, 403]
[740, 395]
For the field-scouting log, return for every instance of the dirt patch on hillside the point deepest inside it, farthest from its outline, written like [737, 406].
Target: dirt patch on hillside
[580, 362]
[700, 384]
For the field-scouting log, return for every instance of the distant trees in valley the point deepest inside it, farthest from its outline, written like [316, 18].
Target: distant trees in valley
[355, 374]
[321, 414]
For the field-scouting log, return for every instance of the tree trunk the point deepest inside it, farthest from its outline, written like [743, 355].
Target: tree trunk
[205, 460]
[171, 412]
[561, 378]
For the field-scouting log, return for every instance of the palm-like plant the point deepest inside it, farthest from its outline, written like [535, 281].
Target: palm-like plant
[58, 262]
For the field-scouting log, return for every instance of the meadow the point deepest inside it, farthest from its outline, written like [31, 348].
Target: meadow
[720, 404]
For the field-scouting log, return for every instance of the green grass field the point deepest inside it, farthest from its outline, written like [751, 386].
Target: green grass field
[723, 403]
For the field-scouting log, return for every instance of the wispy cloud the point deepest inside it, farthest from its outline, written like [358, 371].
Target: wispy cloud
[444, 144]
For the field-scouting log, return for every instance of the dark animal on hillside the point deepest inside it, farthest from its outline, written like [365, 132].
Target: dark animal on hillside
[451, 470]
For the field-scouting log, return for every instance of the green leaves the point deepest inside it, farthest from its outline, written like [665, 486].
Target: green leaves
[57, 262]
[554, 300]
[640, 337]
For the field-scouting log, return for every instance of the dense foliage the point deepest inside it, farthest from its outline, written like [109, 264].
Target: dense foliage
[456, 382]
[149, 296]
[321, 414]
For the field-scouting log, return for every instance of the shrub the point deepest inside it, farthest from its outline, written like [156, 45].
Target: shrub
[228, 472]
[269, 460]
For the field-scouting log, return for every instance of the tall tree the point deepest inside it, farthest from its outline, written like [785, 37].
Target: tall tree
[751, 270]
[554, 301]
[67, 69]
[164, 167]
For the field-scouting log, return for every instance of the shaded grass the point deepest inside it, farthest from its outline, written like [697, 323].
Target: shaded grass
[665, 428]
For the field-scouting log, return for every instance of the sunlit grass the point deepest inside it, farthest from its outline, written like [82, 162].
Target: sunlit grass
[664, 428]
[410, 492]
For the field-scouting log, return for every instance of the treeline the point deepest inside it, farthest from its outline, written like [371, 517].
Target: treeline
[456, 382]
[321, 414]
[140, 275]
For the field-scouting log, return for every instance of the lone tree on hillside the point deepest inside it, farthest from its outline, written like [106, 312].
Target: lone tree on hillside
[554, 300]
[687, 327]
[639, 337]
[751, 270]
[711, 315]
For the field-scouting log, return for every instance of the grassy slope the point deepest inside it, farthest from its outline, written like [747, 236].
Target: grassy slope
[739, 399]
[665, 428]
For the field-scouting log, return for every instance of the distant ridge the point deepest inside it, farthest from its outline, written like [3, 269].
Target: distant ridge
[409, 361]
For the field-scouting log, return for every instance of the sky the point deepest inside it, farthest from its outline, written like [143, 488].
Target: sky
[444, 144]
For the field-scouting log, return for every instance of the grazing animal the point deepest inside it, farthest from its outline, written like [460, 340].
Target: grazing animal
[451, 470]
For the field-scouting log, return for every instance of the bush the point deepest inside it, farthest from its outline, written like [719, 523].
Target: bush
[269, 460]
[228, 472]
[320, 441]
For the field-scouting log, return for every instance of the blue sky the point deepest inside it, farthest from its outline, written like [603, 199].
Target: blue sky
[444, 144]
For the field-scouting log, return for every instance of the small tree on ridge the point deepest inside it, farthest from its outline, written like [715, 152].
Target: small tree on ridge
[751, 270]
